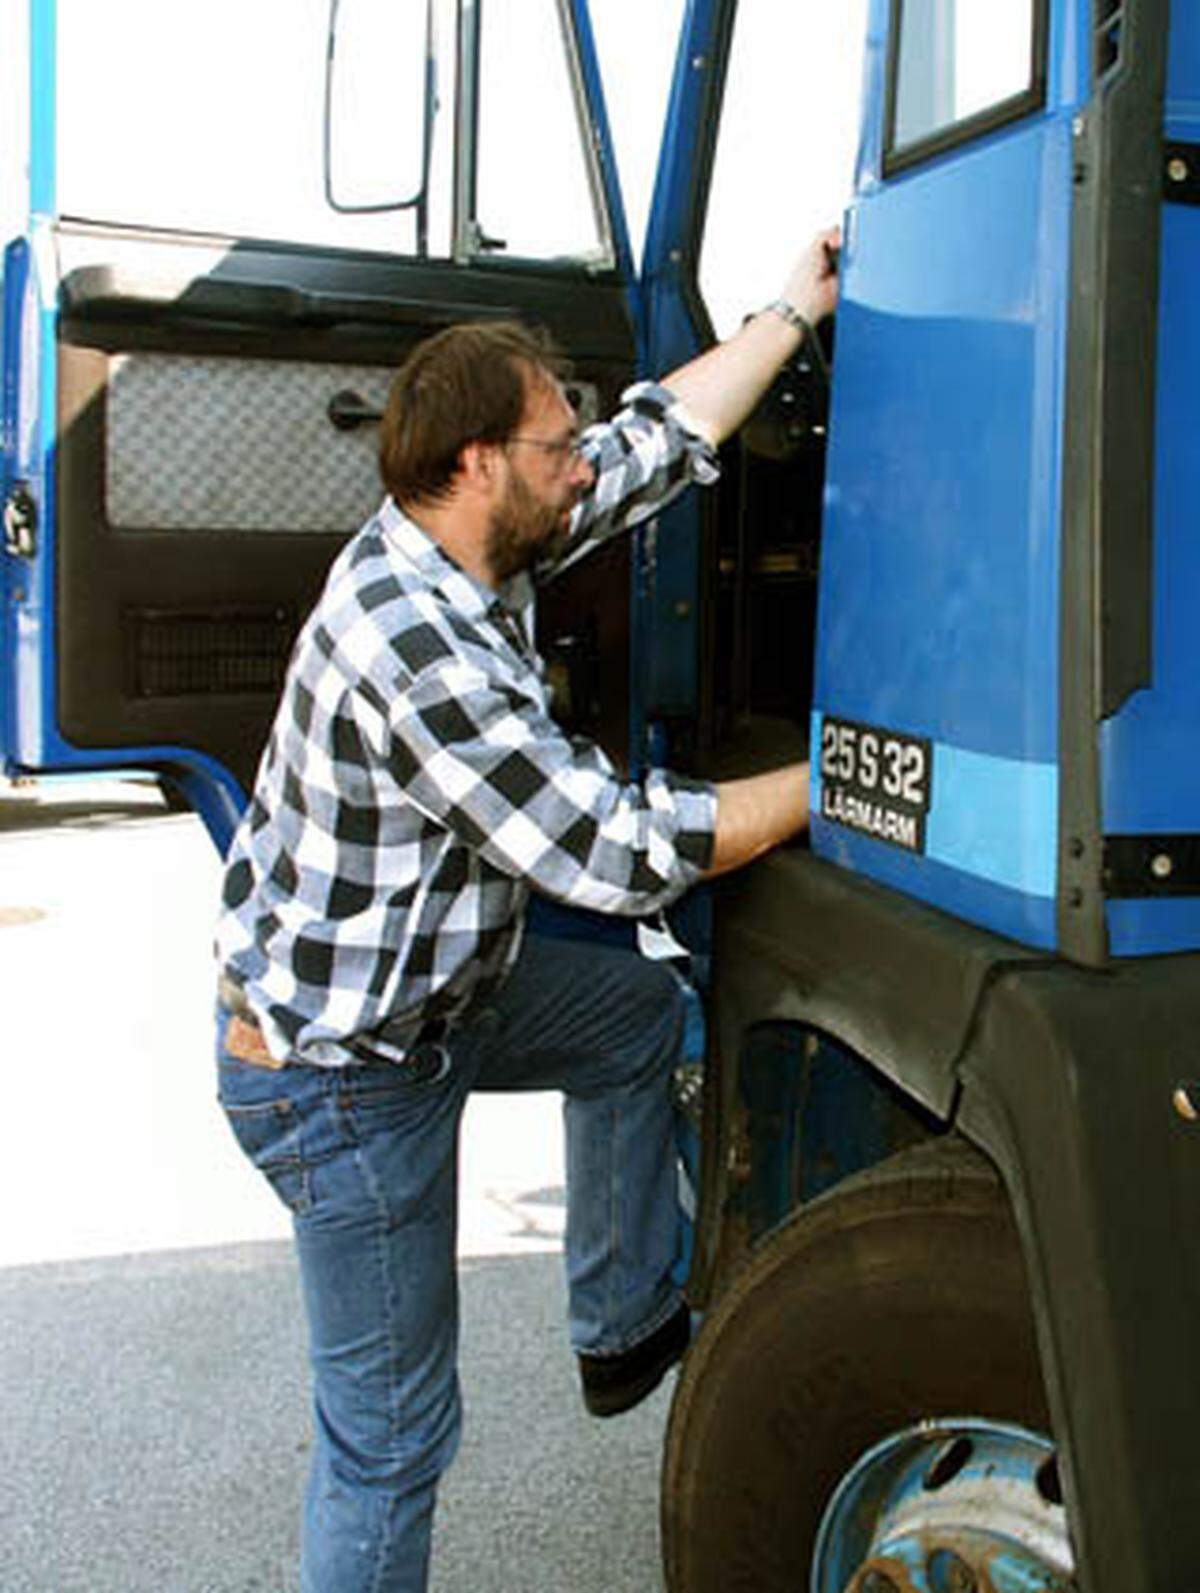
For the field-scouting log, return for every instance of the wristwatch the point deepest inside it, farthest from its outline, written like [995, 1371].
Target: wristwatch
[788, 312]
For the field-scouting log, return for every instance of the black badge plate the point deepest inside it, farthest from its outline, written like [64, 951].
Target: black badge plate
[876, 781]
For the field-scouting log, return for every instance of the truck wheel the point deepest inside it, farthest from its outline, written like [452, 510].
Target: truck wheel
[854, 1396]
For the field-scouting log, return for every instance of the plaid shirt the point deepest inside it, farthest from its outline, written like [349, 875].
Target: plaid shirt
[414, 787]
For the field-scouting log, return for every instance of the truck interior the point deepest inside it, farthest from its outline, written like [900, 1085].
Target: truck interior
[762, 572]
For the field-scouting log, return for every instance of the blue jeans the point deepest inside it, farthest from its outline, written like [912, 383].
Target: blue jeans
[366, 1159]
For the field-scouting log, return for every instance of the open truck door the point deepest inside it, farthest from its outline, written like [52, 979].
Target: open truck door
[200, 322]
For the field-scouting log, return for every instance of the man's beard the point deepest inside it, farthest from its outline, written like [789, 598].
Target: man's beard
[524, 531]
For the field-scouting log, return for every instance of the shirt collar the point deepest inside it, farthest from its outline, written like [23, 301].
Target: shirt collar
[433, 564]
[436, 567]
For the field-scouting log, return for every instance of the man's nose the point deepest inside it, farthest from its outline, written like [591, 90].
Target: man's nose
[583, 473]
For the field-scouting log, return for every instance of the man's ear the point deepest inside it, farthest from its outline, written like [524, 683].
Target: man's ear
[479, 465]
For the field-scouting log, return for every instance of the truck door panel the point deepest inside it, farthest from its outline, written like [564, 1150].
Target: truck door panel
[945, 482]
[203, 487]
[1009, 486]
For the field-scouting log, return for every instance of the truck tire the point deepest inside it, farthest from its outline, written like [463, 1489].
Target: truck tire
[898, 1296]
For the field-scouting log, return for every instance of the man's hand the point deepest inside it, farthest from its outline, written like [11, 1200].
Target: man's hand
[812, 285]
[720, 388]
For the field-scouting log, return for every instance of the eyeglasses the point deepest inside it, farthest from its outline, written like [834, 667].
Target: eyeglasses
[563, 449]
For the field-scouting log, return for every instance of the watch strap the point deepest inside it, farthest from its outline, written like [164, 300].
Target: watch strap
[786, 311]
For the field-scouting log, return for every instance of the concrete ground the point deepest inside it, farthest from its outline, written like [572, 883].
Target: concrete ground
[153, 1410]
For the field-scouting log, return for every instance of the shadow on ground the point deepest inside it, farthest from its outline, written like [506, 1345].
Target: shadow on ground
[81, 805]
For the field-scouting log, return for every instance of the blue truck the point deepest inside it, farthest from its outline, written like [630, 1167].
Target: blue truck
[946, 1136]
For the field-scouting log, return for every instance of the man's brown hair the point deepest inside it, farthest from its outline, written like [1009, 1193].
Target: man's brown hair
[465, 384]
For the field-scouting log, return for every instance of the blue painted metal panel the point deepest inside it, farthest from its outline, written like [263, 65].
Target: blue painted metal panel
[1150, 750]
[32, 580]
[939, 613]
[15, 282]
[602, 142]
[1017, 913]
[669, 334]
[995, 818]
[43, 106]
[1183, 71]
[666, 662]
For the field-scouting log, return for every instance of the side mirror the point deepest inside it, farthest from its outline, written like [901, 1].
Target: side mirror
[380, 105]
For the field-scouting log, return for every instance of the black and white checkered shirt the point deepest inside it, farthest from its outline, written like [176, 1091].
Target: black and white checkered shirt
[414, 787]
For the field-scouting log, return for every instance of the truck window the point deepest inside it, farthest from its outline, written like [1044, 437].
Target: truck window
[959, 67]
[636, 87]
[537, 193]
[785, 150]
[219, 129]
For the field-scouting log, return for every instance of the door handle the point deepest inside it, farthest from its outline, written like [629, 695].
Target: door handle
[348, 410]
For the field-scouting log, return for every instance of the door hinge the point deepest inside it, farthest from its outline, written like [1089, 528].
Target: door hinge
[20, 523]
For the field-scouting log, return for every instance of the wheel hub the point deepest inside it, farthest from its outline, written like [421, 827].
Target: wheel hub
[950, 1506]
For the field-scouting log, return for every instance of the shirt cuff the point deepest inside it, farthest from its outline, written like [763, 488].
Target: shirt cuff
[693, 807]
[659, 403]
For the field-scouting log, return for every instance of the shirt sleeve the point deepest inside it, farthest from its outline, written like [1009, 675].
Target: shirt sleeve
[643, 458]
[481, 758]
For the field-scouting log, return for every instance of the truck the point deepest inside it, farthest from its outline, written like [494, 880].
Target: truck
[945, 1137]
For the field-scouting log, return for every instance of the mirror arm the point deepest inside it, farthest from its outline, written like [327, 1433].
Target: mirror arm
[327, 119]
[431, 108]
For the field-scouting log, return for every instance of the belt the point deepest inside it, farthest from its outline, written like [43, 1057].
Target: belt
[244, 1039]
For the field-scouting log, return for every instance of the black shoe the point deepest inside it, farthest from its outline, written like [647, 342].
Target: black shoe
[613, 1383]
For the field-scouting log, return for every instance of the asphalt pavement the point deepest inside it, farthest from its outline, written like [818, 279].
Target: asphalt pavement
[154, 1421]
[155, 1434]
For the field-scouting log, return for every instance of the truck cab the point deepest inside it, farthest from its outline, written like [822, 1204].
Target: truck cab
[944, 1139]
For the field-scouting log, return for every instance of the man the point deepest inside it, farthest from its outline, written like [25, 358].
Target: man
[413, 791]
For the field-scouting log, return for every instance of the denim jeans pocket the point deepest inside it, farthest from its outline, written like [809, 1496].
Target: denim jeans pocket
[269, 1133]
[395, 1095]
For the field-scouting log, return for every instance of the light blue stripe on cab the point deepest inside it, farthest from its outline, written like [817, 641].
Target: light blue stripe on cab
[996, 818]
[43, 107]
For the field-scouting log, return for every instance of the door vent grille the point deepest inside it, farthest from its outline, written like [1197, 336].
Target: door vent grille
[1110, 18]
[183, 653]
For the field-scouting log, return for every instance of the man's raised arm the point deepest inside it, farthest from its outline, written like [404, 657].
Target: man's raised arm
[720, 388]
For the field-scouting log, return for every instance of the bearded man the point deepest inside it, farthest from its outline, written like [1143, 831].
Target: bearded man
[374, 970]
